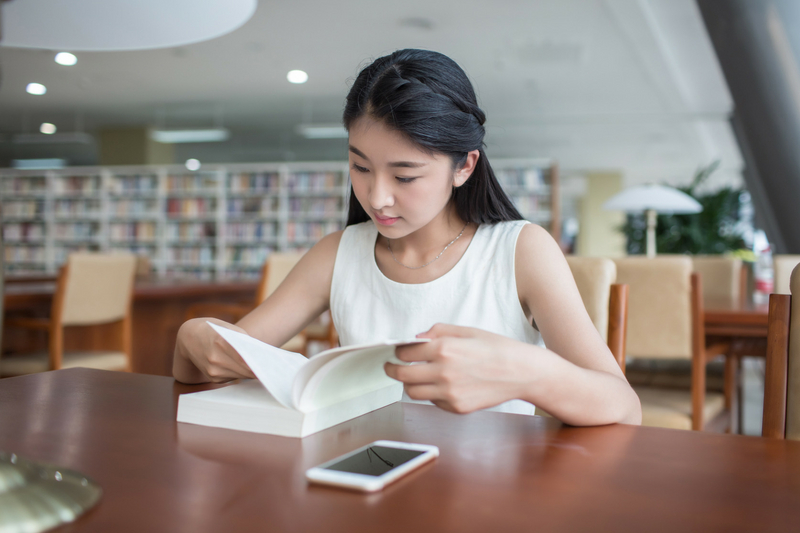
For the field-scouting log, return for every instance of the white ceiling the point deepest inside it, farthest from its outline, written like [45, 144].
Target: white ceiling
[630, 85]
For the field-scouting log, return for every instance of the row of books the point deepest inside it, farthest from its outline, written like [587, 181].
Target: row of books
[137, 206]
[135, 183]
[189, 231]
[253, 206]
[26, 185]
[23, 208]
[249, 257]
[137, 249]
[78, 207]
[191, 206]
[77, 184]
[76, 230]
[310, 231]
[528, 178]
[133, 231]
[257, 182]
[315, 181]
[23, 254]
[62, 252]
[200, 255]
[25, 231]
[250, 231]
[316, 206]
[193, 183]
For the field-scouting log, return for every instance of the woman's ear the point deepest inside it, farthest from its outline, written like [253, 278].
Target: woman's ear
[463, 174]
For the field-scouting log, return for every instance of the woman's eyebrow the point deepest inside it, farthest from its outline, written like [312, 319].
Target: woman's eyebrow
[358, 152]
[396, 164]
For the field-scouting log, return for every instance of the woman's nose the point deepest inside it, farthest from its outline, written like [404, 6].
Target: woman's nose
[381, 194]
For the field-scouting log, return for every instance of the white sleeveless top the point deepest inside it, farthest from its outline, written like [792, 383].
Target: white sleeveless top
[480, 291]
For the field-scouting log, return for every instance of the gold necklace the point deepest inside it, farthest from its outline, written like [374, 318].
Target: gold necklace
[389, 246]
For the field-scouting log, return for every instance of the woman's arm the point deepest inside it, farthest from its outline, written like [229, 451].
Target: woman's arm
[201, 355]
[581, 383]
[576, 379]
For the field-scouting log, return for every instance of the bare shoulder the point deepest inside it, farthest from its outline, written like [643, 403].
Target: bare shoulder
[539, 262]
[535, 244]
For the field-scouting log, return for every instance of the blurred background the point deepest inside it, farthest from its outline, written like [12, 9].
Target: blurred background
[617, 92]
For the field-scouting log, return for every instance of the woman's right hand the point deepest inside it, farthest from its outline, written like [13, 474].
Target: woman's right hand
[202, 355]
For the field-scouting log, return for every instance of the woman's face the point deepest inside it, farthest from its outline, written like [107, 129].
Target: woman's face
[401, 187]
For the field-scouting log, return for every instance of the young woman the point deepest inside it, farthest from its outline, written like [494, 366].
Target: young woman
[433, 247]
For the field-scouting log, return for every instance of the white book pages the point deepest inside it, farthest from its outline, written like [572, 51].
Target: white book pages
[327, 378]
[274, 368]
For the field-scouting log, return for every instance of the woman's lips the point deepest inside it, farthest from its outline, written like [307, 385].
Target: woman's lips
[386, 221]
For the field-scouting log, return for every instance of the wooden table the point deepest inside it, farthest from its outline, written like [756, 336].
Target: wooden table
[159, 309]
[497, 472]
[741, 321]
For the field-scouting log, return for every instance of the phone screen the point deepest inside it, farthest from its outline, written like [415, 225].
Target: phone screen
[374, 461]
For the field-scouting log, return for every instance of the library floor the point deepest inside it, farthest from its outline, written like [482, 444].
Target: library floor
[753, 395]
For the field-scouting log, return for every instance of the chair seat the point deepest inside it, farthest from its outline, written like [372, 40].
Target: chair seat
[18, 365]
[672, 408]
[672, 374]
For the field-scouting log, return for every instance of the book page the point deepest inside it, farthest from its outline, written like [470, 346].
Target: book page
[351, 372]
[274, 368]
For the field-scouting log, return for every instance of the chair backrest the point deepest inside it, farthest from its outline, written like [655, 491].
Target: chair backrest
[660, 311]
[782, 376]
[783, 267]
[722, 279]
[96, 288]
[793, 393]
[274, 271]
[594, 277]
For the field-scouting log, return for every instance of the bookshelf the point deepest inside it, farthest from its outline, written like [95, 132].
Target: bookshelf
[220, 222]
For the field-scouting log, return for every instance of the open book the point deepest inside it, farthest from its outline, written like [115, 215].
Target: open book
[294, 396]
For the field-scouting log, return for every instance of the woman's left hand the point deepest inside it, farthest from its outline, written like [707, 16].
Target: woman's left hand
[466, 369]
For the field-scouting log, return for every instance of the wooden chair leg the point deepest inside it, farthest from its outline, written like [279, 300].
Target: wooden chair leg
[731, 390]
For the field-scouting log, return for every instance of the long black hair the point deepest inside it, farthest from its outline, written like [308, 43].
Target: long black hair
[427, 97]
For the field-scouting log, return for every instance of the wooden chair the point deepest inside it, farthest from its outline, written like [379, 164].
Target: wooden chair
[92, 289]
[782, 376]
[274, 271]
[606, 302]
[783, 267]
[666, 324]
[724, 280]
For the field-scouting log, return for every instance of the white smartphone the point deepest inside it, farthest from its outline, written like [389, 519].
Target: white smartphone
[372, 467]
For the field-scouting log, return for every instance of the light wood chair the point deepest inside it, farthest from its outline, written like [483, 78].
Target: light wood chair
[666, 324]
[782, 376]
[92, 289]
[783, 265]
[606, 302]
[273, 272]
[724, 280]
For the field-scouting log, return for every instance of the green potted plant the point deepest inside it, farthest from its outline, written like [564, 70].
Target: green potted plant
[715, 230]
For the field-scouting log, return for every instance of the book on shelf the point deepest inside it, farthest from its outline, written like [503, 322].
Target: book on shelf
[294, 396]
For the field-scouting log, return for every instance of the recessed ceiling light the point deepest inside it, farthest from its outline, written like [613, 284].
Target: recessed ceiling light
[66, 59]
[36, 88]
[193, 164]
[47, 128]
[297, 76]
